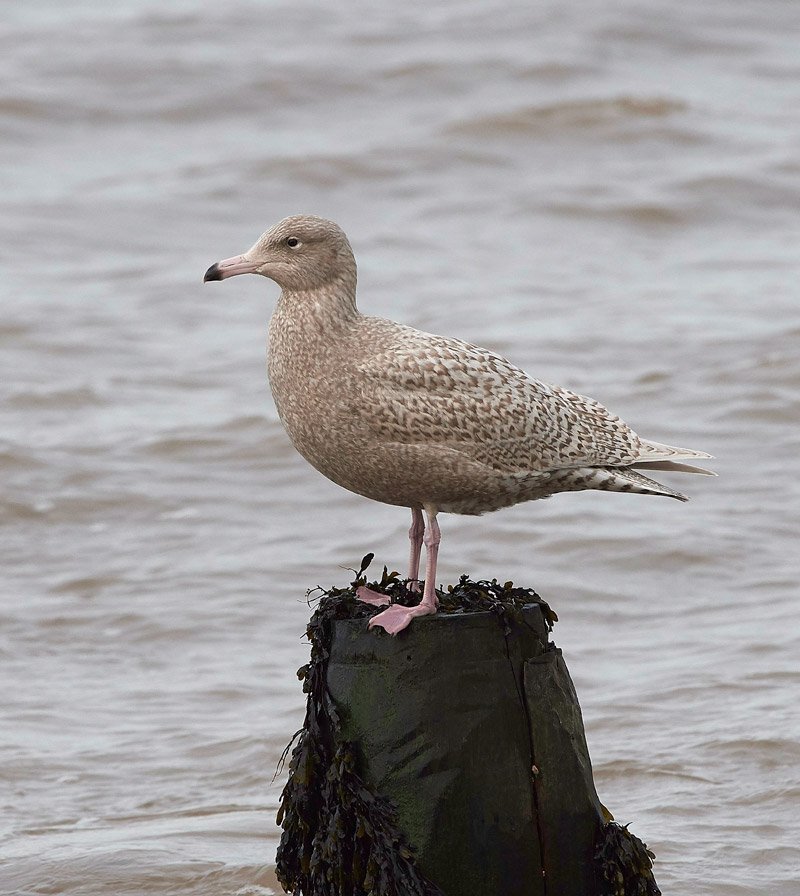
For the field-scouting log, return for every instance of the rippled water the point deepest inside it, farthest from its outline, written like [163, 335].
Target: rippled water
[608, 194]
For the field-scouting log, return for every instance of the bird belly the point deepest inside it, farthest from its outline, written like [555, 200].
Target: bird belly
[420, 475]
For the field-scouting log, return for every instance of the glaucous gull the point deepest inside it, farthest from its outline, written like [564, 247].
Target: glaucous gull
[423, 421]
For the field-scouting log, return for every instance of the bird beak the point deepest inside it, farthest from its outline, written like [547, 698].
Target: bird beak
[230, 267]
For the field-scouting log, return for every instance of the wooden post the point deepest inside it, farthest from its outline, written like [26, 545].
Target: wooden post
[448, 760]
[476, 735]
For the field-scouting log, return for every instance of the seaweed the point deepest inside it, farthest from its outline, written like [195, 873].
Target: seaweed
[467, 596]
[625, 863]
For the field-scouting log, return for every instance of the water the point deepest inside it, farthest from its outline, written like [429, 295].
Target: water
[606, 193]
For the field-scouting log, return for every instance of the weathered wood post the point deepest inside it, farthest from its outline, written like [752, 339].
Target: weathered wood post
[468, 723]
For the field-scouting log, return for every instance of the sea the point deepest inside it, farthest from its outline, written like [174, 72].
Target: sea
[606, 193]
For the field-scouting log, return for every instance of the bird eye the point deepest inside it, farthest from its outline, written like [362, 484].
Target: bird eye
[292, 242]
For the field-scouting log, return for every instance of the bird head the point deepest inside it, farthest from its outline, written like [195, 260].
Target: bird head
[299, 253]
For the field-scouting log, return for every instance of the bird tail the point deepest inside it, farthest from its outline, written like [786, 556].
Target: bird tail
[655, 456]
[671, 466]
[626, 479]
[611, 479]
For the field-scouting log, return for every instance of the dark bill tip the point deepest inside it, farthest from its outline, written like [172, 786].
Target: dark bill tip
[230, 267]
[213, 273]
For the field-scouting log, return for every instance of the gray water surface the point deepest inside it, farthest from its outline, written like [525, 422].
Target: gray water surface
[608, 194]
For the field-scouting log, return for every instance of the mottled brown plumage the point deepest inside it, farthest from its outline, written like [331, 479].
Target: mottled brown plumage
[423, 421]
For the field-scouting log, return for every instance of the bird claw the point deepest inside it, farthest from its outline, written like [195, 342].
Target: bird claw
[395, 618]
[373, 598]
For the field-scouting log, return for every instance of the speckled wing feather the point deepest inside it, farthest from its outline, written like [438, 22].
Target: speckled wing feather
[434, 390]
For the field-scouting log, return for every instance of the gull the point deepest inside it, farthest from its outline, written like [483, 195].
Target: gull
[423, 421]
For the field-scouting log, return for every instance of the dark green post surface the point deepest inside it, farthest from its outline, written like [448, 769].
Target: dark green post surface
[477, 736]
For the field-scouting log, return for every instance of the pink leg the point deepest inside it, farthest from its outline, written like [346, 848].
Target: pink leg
[395, 618]
[415, 533]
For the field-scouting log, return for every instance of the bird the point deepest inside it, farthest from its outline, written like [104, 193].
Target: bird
[427, 422]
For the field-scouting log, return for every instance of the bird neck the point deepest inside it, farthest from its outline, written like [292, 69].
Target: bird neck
[329, 308]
